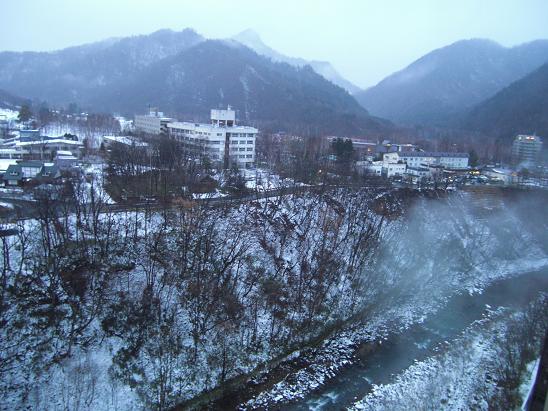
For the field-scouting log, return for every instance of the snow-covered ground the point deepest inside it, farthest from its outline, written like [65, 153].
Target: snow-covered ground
[264, 180]
[10, 115]
[193, 373]
[126, 125]
[6, 205]
[205, 196]
[81, 383]
[399, 284]
[81, 129]
[97, 173]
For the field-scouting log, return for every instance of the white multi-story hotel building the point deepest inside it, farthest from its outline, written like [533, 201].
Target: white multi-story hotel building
[419, 158]
[152, 123]
[221, 141]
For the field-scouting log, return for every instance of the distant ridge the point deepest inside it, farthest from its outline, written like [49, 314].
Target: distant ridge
[520, 108]
[252, 40]
[76, 73]
[275, 95]
[450, 80]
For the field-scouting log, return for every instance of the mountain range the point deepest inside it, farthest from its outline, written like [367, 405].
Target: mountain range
[216, 72]
[77, 73]
[475, 85]
[186, 75]
[451, 80]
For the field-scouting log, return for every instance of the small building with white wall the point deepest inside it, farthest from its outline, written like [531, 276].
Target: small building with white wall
[48, 148]
[418, 173]
[152, 123]
[370, 167]
[65, 160]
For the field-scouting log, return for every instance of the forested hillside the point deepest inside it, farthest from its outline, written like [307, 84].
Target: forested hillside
[521, 108]
[106, 309]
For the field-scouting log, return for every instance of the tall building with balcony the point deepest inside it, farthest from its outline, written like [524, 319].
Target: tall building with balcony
[222, 141]
[526, 149]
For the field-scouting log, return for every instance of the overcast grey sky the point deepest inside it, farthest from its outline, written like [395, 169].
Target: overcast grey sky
[365, 40]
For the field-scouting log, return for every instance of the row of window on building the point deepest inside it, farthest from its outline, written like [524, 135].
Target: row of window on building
[209, 139]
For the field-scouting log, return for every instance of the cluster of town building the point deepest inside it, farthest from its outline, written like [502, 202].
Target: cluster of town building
[28, 155]
[407, 161]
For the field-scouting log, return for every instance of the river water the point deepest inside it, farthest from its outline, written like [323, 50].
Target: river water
[417, 343]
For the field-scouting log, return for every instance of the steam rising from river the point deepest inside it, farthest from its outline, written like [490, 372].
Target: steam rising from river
[460, 243]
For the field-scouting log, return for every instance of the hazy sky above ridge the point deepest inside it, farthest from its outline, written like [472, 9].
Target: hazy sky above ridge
[364, 40]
